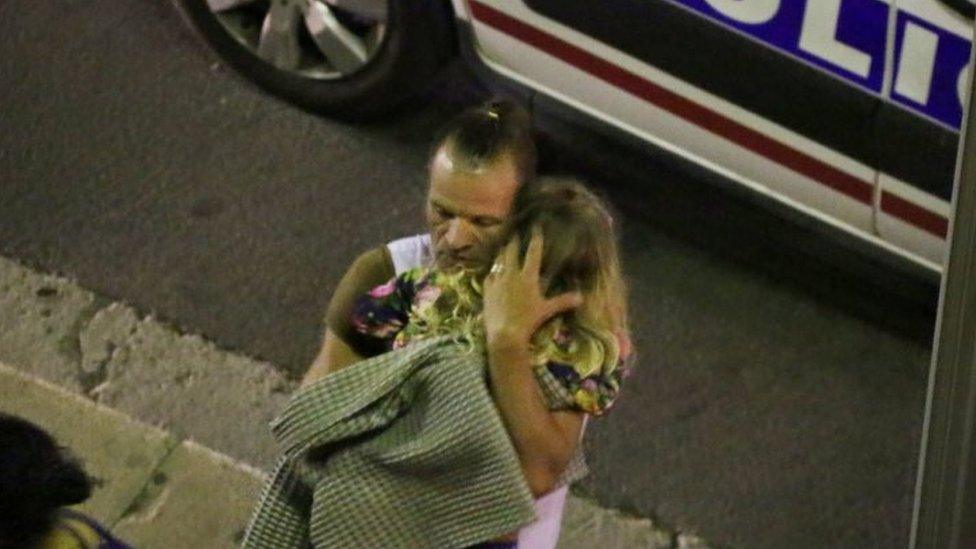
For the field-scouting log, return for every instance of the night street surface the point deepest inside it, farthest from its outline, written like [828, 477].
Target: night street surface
[779, 395]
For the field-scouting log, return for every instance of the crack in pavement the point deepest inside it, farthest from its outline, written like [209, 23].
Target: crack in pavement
[151, 496]
[70, 345]
[94, 378]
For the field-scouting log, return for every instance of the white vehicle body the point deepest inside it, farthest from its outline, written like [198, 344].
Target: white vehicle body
[903, 74]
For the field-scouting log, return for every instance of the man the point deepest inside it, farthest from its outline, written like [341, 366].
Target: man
[477, 167]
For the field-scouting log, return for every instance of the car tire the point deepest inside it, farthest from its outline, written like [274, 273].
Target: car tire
[419, 39]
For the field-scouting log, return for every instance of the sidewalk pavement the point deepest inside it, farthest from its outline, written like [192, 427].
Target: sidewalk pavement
[158, 491]
[142, 405]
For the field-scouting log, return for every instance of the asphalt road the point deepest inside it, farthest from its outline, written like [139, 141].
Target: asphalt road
[779, 396]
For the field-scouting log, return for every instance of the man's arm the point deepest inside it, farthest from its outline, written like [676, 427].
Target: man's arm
[544, 440]
[334, 355]
[514, 309]
[341, 345]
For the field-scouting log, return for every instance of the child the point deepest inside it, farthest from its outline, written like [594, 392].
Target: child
[587, 349]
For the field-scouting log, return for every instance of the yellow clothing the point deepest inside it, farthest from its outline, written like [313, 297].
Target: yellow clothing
[71, 533]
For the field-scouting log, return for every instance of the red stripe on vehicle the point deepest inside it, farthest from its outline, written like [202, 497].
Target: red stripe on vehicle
[914, 214]
[693, 112]
[708, 119]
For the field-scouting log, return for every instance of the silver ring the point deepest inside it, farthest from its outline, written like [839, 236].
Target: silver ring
[496, 268]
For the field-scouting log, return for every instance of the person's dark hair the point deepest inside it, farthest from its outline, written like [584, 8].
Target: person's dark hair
[37, 478]
[479, 135]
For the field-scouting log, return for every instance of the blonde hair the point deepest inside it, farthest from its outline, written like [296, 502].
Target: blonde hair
[579, 254]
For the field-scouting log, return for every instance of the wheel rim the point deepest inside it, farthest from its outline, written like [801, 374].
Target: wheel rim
[321, 39]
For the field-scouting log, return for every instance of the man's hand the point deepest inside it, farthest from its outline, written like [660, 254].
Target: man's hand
[514, 303]
[514, 309]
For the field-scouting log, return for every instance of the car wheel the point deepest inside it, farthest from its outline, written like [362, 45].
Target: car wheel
[346, 58]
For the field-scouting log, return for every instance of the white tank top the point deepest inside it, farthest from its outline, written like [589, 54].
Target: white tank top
[410, 252]
[414, 251]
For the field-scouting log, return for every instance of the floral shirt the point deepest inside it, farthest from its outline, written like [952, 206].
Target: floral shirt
[384, 313]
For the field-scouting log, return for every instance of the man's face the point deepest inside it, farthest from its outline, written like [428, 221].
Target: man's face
[468, 210]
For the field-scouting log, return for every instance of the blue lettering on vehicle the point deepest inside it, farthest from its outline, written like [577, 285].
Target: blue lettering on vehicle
[848, 39]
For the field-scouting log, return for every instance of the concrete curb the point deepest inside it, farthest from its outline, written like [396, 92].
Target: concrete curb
[154, 491]
[167, 418]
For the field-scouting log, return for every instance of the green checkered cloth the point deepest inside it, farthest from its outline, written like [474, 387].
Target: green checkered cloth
[405, 449]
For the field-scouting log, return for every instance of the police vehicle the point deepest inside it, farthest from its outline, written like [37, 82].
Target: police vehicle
[848, 111]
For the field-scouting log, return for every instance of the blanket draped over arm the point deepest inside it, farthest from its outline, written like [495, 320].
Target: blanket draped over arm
[405, 449]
